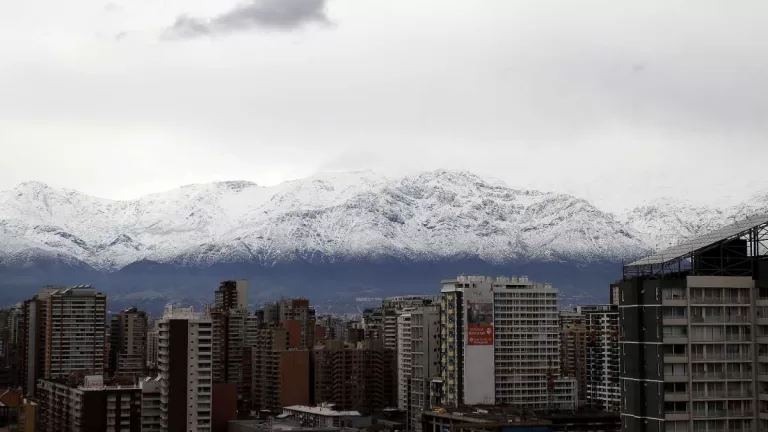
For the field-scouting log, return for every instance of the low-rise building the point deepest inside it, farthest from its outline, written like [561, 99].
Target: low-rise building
[504, 418]
[325, 415]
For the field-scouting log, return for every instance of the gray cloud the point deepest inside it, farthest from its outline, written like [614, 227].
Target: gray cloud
[264, 14]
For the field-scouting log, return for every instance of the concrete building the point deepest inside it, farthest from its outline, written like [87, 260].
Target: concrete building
[152, 339]
[325, 416]
[228, 345]
[185, 365]
[501, 344]
[151, 405]
[281, 375]
[297, 315]
[573, 348]
[694, 345]
[63, 331]
[128, 343]
[403, 360]
[501, 418]
[88, 405]
[75, 331]
[232, 294]
[603, 391]
[276, 424]
[367, 371]
[425, 361]
[17, 413]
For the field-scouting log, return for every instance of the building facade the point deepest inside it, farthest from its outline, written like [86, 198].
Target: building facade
[185, 365]
[90, 405]
[359, 378]
[76, 327]
[603, 391]
[502, 344]
[693, 344]
[573, 348]
[425, 360]
[128, 343]
[281, 375]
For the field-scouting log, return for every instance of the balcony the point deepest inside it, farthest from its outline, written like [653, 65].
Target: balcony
[676, 378]
[709, 414]
[676, 415]
[719, 319]
[709, 376]
[674, 320]
[674, 300]
[719, 300]
[675, 358]
[722, 395]
[675, 397]
[708, 357]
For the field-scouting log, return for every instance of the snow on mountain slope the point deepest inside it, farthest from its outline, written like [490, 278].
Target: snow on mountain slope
[433, 215]
[664, 222]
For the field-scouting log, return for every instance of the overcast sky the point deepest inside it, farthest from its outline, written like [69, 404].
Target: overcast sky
[616, 101]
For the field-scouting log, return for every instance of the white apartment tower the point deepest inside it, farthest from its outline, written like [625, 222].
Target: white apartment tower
[501, 344]
[75, 331]
[184, 360]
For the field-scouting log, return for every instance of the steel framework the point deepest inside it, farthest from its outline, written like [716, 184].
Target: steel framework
[708, 256]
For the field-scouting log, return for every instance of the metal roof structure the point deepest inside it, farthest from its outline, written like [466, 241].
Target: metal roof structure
[754, 230]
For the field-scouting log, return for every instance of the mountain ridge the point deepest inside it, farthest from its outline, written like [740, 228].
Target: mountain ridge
[430, 216]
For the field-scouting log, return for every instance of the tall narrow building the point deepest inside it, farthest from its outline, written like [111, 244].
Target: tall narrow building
[184, 361]
[33, 339]
[694, 338]
[128, 343]
[404, 360]
[602, 349]
[502, 344]
[573, 348]
[425, 361]
[75, 339]
[232, 294]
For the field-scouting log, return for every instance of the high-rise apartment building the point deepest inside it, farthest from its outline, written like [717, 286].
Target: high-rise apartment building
[573, 348]
[403, 360]
[694, 340]
[75, 338]
[128, 343]
[297, 316]
[357, 378]
[232, 294]
[152, 338]
[151, 405]
[33, 340]
[602, 350]
[501, 344]
[281, 375]
[185, 364]
[425, 360]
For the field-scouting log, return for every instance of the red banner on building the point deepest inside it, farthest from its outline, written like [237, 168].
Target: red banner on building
[479, 323]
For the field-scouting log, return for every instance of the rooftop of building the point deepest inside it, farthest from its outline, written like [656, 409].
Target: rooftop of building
[498, 281]
[725, 251]
[323, 410]
[278, 424]
[502, 414]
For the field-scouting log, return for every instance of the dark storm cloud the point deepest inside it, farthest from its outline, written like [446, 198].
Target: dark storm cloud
[264, 14]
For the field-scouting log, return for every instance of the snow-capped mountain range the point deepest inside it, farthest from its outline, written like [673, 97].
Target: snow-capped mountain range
[361, 215]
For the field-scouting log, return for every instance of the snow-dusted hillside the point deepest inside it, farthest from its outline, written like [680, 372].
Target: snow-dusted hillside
[434, 215]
